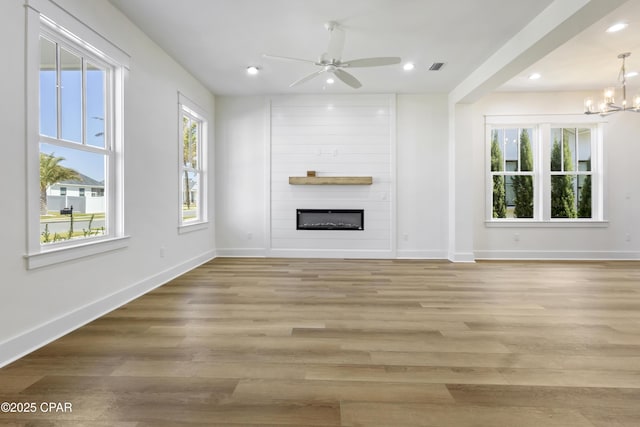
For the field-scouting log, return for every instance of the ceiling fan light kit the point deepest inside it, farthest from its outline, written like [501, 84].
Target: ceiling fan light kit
[608, 105]
[331, 60]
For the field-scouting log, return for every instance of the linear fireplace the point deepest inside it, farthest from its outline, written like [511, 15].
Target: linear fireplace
[330, 219]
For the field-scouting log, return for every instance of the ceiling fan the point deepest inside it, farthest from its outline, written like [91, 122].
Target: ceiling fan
[331, 60]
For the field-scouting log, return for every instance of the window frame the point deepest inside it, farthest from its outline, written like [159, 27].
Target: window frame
[45, 18]
[189, 109]
[542, 147]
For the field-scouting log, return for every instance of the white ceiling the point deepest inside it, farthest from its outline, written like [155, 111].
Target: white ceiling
[217, 39]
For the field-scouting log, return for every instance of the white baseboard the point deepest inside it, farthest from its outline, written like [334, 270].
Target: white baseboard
[412, 254]
[559, 255]
[23, 344]
[241, 253]
[331, 253]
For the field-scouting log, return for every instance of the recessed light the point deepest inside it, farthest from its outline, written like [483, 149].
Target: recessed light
[330, 81]
[631, 74]
[534, 76]
[617, 27]
[408, 66]
[253, 70]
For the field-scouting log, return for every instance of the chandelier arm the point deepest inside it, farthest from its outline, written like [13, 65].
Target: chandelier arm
[608, 106]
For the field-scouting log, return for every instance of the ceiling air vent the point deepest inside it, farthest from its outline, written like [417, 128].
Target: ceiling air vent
[436, 66]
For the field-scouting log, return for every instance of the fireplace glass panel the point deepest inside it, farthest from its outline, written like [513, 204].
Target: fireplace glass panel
[330, 219]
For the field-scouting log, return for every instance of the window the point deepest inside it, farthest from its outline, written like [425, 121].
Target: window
[571, 173]
[192, 155]
[512, 172]
[541, 171]
[75, 92]
[75, 86]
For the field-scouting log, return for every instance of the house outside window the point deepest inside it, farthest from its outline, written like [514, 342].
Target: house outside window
[543, 171]
[192, 144]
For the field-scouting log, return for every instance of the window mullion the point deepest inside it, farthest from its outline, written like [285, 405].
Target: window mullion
[83, 93]
[74, 145]
[519, 151]
[544, 176]
[58, 93]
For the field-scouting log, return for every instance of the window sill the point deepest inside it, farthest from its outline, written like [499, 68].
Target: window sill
[69, 253]
[196, 226]
[547, 224]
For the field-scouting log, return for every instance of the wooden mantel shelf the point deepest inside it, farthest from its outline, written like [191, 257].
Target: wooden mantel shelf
[330, 180]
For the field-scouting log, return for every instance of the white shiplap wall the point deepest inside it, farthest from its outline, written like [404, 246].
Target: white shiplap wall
[335, 136]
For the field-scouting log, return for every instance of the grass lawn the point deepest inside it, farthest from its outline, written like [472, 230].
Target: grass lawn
[54, 216]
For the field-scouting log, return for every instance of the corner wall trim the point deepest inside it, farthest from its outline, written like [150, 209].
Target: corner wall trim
[23, 344]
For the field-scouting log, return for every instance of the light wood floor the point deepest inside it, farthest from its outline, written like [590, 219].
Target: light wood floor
[353, 342]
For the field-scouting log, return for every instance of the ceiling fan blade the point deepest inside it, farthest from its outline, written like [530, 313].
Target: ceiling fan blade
[371, 62]
[287, 58]
[347, 78]
[336, 41]
[306, 78]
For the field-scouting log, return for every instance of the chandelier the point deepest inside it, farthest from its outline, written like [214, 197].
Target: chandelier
[608, 105]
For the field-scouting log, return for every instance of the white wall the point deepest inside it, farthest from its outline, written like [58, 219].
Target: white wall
[421, 153]
[345, 135]
[622, 194]
[241, 134]
[244, 163]
[39, 305]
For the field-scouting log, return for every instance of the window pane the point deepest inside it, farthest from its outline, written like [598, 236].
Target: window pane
[584, 149]
[569, 149]
[522, 196]
[66, 211]
[497, 155]
[556, 152]
[563, 199]
[71, 96]
[190, 140]
[48, 92]
[195, 146]
[499, 197]
[510, 194]
[511, 144]
[190, 196]
[526, 151]
[95, 105]
[584, 196]
[504, 196]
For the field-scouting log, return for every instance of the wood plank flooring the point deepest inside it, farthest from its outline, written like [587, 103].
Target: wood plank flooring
[310, 342]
